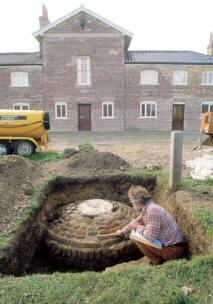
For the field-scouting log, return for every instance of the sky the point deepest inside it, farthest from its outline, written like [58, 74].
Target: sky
[156, 24]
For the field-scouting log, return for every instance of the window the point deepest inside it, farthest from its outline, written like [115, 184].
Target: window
[107, 110]
[21, 106]
[61, 110]
[83, 70]
[207, 106]
[149, 77]
[148, 109]
[180, 78]
[207, 78]
[19, 79]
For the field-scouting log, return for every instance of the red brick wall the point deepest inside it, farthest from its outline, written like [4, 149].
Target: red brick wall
[33, 94]
[111, 80]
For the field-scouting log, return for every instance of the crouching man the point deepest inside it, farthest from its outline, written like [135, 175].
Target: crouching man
[154, 224]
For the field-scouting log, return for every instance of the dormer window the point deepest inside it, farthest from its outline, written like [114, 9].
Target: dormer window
[149, 77]
[19, 79]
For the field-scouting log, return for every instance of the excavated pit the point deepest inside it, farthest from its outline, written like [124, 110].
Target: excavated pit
[69, 230]
[73, 225]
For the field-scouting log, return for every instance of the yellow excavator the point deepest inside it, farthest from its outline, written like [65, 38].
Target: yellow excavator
[207, 128]
[23, 131]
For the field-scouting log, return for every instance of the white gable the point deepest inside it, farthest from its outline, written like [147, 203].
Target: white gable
[82, 8]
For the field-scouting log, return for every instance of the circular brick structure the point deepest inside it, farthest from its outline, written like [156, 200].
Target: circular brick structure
[81, 237]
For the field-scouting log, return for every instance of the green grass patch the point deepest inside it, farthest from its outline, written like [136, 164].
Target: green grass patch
[86, 147]
[139, 285]
[194, 185]
[46, 156]
[205, 218]
[154, 172]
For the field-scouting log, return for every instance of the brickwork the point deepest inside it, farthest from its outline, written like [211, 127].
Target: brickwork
[112, 80]
[165, 94]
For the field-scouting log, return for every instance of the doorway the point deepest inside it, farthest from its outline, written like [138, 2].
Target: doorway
[178, 117]
[84, 117]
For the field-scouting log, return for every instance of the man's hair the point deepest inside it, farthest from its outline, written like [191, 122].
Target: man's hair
[140, 193]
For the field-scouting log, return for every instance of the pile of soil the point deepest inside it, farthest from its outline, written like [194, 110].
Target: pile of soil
[91, 161]
[18, 177]
[96, 160]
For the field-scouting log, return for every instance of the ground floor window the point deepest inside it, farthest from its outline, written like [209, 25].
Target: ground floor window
[60, 110]
[21, 106]
[207, 106]
[107, 110]
[148, 109]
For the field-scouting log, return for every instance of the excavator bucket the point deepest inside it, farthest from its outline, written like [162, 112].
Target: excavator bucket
[207, 128]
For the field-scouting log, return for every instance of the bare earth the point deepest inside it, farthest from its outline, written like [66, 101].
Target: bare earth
[137, 148]
[19, 176]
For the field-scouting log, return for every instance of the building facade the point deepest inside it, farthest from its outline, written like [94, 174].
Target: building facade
[88, 80]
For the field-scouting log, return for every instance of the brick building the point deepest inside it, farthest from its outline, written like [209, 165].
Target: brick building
[87, 79]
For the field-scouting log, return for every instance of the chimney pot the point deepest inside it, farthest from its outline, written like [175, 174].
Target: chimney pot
[44, 20]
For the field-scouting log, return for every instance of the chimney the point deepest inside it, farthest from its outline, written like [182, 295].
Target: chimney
[210, 46]
[43, 20]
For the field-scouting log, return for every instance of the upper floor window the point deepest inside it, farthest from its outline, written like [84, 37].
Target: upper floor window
[83, 70]
[60, 110]
[21, 106]
[149, 77]
[207, 106]
[148, 109]
[108, 109]
[19, 79]
[180, 78]
[207, 78]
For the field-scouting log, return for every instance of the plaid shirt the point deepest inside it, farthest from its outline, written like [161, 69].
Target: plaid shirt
[158, 224]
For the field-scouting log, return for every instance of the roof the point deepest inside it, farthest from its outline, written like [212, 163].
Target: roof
[20, 59]
[82, 8]
[168, 57]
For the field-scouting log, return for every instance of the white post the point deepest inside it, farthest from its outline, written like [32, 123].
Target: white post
[176, 159]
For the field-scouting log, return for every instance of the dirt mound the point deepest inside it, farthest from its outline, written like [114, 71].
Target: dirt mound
[18, 177]
[96, 160]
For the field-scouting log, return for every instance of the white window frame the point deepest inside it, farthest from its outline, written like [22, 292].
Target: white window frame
[148, 103]
[107, 103]
[177, 81]
[209, 103]
[60, 103]
[21, 105]
[19, 79]
[206, 77]
[83, 71]
[149, 73]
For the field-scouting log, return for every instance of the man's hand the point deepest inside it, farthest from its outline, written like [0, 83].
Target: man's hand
[120, 234]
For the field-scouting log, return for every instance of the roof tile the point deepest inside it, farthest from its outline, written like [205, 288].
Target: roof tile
[21, 59]
[169, 57]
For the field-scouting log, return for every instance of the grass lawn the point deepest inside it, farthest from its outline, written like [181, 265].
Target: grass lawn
[144, 285]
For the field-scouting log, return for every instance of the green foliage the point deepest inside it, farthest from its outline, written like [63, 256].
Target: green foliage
[86, 147]
[209, 181]
[195, 185]
[46, 156]
[204, 216]
[154, 172]
[138, 285]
